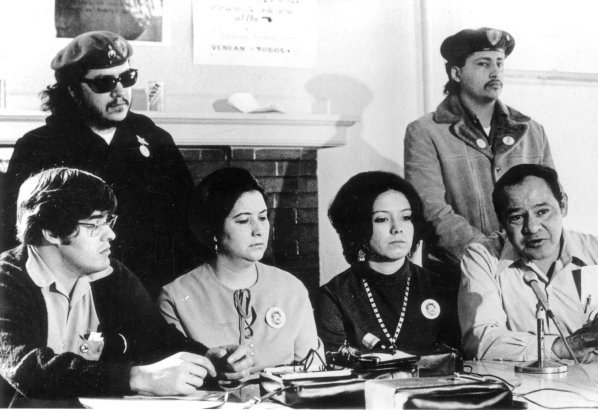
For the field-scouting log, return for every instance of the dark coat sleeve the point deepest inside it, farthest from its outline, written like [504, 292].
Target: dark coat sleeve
[31, 367]
[135, 316]
[124, 308]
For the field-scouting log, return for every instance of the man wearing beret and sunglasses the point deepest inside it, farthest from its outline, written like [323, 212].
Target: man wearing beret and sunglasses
[92, 128]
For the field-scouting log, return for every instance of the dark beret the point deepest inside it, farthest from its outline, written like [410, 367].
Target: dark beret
[468, 41]
[92, 50]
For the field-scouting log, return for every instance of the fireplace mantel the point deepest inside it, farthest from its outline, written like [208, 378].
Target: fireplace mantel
[217, 129]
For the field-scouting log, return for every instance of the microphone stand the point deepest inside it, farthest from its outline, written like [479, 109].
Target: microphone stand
[543, 365]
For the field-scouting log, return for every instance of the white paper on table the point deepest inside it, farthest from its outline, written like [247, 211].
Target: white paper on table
[386, 357]
[150, 403]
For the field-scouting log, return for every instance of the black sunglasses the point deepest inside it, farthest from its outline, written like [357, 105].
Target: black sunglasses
[107, 84]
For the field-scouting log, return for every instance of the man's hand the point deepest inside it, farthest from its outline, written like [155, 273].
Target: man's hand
[179, 374]
[231, 361]
[583, 343]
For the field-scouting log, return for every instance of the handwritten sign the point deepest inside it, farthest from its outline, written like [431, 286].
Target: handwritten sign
[274, 33]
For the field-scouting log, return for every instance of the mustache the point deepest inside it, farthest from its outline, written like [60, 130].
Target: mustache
[493, 82]
[117, 101]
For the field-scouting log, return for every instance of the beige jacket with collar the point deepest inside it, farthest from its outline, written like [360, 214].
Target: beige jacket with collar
[454, 169]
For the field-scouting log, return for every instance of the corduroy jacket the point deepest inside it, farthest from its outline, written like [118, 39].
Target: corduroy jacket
[454, 169]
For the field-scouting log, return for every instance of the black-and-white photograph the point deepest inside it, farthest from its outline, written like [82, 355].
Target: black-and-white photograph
[139, 20]
[269, 204]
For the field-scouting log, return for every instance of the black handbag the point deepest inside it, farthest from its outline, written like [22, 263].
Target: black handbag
[439, 360]
[342, 389]
[439, 393]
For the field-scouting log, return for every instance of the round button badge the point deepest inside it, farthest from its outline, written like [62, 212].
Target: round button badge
[508, 140]
[481, 143]
[144, 151]
[430, 309]
[275, 317]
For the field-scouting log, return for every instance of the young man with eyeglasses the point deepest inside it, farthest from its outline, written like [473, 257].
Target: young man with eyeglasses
[91, 128]
[75, 322]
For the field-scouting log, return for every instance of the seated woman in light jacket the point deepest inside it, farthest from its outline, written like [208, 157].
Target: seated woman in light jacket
[233, 297]
[382, 296]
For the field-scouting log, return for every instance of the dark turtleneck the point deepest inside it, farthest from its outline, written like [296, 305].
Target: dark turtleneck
[343, 310]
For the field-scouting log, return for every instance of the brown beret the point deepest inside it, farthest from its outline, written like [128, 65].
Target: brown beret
[92, 50]
[468, 41]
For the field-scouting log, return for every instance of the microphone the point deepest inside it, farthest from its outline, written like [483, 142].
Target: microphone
[542, 365]
[532, 280]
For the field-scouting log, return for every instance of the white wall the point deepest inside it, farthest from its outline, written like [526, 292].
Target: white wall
[374, 58]
[554, 79]
[374, 74]
[368, 65]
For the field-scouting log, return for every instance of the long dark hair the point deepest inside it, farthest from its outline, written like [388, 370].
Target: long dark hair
[57, 98]
[452, 87]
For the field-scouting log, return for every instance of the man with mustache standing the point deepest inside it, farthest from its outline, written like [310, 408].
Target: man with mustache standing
[91, 128]
[453, 156]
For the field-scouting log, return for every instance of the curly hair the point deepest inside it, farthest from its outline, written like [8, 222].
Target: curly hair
[57, 98]
[214, 198]
[351, 210]
[56, 200]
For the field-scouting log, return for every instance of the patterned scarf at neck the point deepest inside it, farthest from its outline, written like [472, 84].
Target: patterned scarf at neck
[247, 316]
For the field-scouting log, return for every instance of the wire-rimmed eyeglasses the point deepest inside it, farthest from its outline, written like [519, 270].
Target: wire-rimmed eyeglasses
[94, 229]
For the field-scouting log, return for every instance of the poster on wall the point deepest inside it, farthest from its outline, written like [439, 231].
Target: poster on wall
[267, 33]
[135, 20]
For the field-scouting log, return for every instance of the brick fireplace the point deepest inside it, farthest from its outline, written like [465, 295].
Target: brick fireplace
[289, 177]
[280, 150]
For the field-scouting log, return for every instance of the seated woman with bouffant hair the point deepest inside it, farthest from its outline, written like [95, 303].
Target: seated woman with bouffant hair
[379, 219]
[233, 296]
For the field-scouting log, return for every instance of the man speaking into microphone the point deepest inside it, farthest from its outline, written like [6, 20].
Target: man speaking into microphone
[533, 258]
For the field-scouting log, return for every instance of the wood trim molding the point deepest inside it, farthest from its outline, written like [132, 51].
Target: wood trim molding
[553, 76]
[219, 129]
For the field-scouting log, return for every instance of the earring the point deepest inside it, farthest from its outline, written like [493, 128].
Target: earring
[361, 256]
[409, 255]
[216, 247]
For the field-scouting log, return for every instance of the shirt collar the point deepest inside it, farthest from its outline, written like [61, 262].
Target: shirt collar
[43, 277]
[570, 253]
[37, 268]
[498, 114]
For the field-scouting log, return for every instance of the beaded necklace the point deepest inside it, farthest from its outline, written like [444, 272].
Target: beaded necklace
[403, 310]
